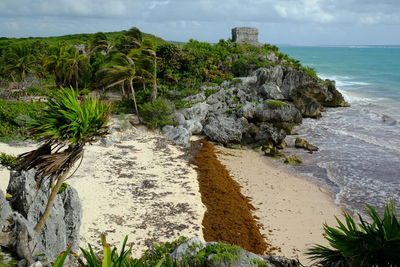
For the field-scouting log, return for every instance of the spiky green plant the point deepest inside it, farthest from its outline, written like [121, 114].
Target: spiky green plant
[375, 243]
[67, 125]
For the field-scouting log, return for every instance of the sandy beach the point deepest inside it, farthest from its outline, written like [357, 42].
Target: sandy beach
[291, 208]
[133, 183]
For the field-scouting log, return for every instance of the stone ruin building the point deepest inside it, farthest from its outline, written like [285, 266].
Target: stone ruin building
[243, 35]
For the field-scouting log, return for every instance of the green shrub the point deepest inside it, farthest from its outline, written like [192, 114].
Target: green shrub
[124, 106]
[157, 114]
[219, 252]
[368, 243]
[245, 64]
[311, 71]
[8, 161]
[210, 91]
[15, 117]
[63, 187]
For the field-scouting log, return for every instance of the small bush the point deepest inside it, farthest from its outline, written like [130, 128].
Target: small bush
[157, 114]
[8, 161]
[311, 71]
[210, 91]
[124, 106]
[63, 187]
[15, 116]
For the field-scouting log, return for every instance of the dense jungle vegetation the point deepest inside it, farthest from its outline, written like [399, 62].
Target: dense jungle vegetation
[150, 73]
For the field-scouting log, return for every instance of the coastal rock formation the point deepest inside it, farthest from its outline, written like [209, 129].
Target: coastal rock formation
[302, 143]
[27, 203]
[258, 110]
[233, 256]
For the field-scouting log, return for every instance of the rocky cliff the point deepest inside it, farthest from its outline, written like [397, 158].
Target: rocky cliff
[259, 110]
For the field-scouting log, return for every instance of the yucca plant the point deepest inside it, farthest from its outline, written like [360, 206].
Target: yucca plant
[111, 258]
[66, 126]
[374, 243]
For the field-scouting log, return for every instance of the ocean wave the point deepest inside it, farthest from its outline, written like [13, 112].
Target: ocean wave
[345, 81]
[367, 138]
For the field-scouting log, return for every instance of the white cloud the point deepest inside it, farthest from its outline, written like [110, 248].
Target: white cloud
[201, 19]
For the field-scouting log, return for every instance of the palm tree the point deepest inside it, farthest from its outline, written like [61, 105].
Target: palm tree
[119, 71]
[67, 64]
[74, 64]
[100, 44]
[20, 61]
[148, 50]
[65, 128]
[145, 59]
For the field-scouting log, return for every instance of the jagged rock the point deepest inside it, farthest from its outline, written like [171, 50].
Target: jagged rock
[269, 134]
[270, 75]
[273, 151]
[196, 98]
[193, 127]
[189, 248]
[247, 110]
[178, 135]
[233, 256]
[293, 160]
[29, 203]
[307, 106]
[5, 221]
[278, 261]
[178, 118]
[248, 81]
[270, 91]
[301, 143]
[224, 129]
[167, 128]
[272, 57]
[197, 112]
[277, 113]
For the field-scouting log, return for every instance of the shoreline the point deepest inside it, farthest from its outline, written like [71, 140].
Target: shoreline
[141, 162]
[291, 208]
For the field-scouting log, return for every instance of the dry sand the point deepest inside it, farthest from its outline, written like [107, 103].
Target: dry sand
[136, 185]
[291, 208]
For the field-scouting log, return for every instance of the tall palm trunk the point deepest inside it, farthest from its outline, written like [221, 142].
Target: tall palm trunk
[123, 89]
[154, 91]
[76, 77]
[40, 224]
[134, 97]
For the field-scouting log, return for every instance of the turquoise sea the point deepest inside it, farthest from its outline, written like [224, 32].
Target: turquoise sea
[359, 157]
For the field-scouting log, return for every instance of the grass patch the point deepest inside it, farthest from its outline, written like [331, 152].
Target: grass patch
[276, 104]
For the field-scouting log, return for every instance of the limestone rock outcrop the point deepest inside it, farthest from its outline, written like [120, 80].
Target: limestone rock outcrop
[233, 256]
[20, 213]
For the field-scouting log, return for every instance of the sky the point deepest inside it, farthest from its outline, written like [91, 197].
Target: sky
[292, 22]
